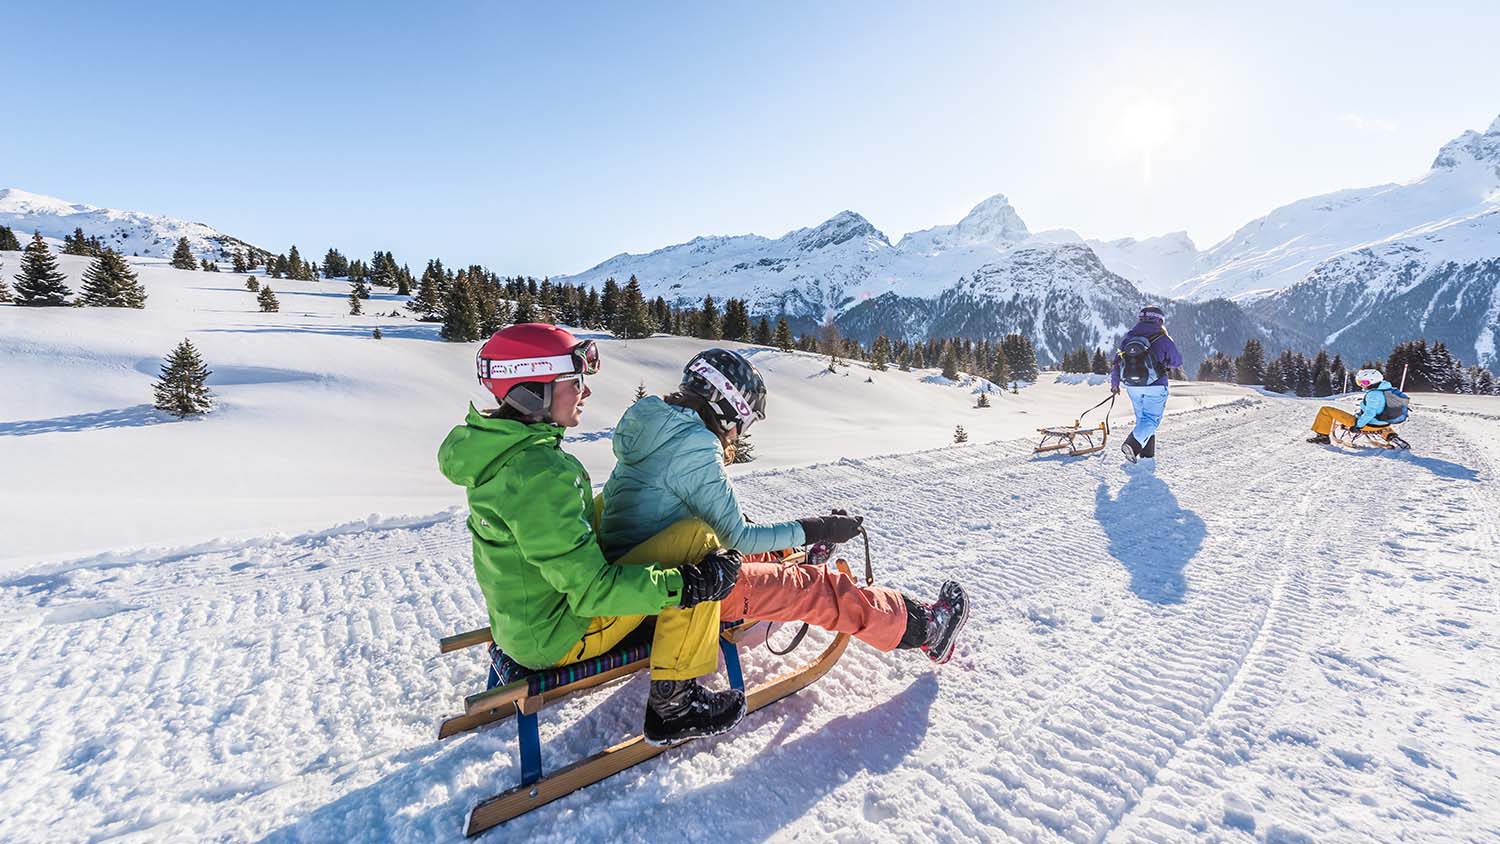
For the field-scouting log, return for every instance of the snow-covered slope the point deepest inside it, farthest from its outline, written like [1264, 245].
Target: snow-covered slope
[1284, 247]
[127, 232]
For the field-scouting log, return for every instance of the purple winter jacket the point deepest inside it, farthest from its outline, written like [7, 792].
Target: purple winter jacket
[1162, 348]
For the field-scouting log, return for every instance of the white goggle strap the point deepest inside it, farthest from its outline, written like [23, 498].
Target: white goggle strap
[736, 399]
[526, 368]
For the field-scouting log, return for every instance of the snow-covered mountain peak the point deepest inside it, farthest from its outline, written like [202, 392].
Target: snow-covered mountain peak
[21, 202]
[992, 223]
[840, 228]
[127, 232]
[1471, 147]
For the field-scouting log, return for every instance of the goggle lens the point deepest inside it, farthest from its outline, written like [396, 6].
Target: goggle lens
[586, 357]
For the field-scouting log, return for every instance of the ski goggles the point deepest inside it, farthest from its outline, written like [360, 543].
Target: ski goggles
[582, 359]
[743, 409]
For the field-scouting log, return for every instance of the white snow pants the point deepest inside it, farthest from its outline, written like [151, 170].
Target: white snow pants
[1149, 403]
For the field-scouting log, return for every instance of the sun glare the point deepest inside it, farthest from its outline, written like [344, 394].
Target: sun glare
[1144, 126]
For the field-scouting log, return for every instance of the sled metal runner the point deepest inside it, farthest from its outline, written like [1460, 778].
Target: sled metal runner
[1384, 436]
[1075, 439]
[526, 696]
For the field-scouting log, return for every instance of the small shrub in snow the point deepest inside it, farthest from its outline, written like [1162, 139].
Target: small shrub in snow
[376, 333]
[984, 400]
[640, 391]
[960, 435]
[182, 389]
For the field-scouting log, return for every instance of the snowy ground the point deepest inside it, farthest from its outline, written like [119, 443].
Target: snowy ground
[1255, 640]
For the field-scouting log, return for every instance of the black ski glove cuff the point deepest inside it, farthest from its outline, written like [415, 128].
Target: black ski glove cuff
[711, 578]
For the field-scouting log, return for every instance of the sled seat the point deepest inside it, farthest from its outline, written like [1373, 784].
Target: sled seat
[1074, 440]
[1378, 436]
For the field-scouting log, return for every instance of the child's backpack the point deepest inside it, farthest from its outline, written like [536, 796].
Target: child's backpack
[1395, 407]
[1137, 365]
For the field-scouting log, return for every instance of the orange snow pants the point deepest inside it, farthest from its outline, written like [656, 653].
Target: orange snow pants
[764, 591]
[1327, 415]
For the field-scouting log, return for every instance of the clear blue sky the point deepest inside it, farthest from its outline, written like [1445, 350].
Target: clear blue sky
[545, 138]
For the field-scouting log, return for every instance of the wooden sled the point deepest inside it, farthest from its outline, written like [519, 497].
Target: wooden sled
[1377, 436]
[1075, 439]
[526, 695]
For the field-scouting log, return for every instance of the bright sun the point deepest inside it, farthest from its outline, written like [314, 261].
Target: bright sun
[1144, 126]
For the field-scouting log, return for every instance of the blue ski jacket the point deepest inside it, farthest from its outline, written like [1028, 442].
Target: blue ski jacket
[669, 467]
[1373, 404]
[1162, 348]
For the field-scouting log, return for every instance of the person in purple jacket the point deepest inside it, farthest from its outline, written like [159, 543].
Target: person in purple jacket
[1146, 355]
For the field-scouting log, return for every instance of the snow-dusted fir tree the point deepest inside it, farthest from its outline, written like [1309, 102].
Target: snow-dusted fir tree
[268, 301]
[355, 308]
[182, 256]
[252, 284]
[110, 283]
[960, 435]
[984, 400]
[783, 335]
[744, 450]
[880, 353]
[461, 312]
[4, 288]
[182, 390]
[40, 284]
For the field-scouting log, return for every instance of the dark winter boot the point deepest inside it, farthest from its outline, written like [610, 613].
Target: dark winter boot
[1149, 449]
[677, 710]
[934, 627]
[1320, 439]
[1131, 448]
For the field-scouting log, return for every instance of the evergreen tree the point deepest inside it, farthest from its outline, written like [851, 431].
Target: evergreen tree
[460, 312]
[708, 320]
[1322, 379]
[252, 285]
[4, 288]
[763, 332]
[984, 400]
[640, 391]
[239, 262]
[1250, 366]
[1274, 380]
[1100, 363]
[335, 265]
[428, 303]
[357, 288]
[8, 242]
[1021, 357]
[950, 365]
[376, 333]
[880, 353]
[589, 315]
[403, 281]
[960, 435]
[76, 243]
[999, 366]
[1444, 370]
[110, 283]
[268, 301]
[635, 317]
[355, 308]
[744, 450]
[736, 320]
[609, 303]
[40, 283]
[182, 256]
[783, 335]
[182, 390]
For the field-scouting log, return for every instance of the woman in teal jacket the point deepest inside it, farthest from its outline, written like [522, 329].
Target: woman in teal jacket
[669, 497]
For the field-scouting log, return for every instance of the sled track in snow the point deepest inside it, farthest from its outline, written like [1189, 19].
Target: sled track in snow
[289, 692]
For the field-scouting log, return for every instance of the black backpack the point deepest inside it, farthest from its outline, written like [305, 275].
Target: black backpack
[1137, 364]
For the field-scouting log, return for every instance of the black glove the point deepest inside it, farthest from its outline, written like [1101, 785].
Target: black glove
[711, 578]
[833, 529]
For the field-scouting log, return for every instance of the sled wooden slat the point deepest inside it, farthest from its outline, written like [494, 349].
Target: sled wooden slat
[468, 639]
[606, 763]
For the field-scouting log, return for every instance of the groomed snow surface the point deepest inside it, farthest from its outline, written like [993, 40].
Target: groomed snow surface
[1254, 639]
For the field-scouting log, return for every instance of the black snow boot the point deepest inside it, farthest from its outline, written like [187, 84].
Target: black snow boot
[1149, 449]
[934, 627]
[1131, 448]
[1320, 439]
[677, 710]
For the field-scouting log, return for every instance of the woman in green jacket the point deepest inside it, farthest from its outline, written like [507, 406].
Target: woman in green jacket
[551, 595]
[669, 498]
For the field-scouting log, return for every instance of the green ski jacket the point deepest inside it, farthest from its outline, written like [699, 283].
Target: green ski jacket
[536, 556]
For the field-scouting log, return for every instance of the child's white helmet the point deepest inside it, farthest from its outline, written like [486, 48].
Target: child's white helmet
[1367, 378]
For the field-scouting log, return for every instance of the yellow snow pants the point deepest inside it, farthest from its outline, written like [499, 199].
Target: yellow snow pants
[686, 641]
[1327, 415]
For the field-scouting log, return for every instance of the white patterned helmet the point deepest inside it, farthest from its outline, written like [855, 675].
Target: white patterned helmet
[1367, 378]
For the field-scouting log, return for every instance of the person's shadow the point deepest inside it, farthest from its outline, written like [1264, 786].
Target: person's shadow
[1151, 534]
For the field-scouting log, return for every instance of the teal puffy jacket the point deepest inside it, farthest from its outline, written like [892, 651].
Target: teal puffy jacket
[669, 467]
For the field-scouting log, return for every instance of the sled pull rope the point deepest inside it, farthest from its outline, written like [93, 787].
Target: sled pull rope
[801, 632]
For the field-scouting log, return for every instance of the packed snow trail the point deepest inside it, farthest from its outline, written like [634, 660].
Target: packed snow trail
[1259, 640]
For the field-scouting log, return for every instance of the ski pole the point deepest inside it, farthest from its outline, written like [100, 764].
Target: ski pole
[1405, 367]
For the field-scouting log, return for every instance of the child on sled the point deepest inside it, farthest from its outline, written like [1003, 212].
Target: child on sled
[1381, 406]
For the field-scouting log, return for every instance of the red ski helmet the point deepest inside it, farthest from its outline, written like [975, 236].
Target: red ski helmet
[518, 364]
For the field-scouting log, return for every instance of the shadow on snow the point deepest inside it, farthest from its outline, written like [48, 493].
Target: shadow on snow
[1153, 535]
[136, 416]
